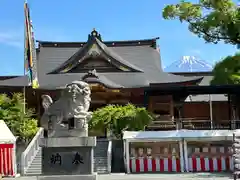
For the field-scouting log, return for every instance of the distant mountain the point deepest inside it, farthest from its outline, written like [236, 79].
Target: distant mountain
[189, 64]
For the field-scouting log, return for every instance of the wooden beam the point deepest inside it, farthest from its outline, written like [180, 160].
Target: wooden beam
[119, 101]
[150, 104]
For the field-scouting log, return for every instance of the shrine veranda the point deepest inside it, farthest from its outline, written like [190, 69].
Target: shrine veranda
[179, 151]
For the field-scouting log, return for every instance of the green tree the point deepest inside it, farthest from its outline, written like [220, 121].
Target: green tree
[12, 112]
[227, 71]
[116, 118]
[212, 20]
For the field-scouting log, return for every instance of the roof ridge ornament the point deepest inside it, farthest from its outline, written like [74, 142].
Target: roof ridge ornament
[94, 34]
[92, 73]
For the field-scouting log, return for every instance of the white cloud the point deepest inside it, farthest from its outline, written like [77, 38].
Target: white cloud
[15, 38]
[12, 38]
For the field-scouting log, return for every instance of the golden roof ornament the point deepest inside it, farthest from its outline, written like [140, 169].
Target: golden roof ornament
[94, 34]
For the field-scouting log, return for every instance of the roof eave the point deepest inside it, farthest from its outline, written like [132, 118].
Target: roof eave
[188, 83]
[141, 42]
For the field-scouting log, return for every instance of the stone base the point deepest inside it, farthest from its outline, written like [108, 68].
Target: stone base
[68, 142]
[69, 177]
[66, 132]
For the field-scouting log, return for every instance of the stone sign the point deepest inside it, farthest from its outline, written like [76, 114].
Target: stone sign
[67, 161]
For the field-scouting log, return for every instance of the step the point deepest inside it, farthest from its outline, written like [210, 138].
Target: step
[37, 161]
[33, 174]
[39, 166]
[100, 169]
[100, 160]
[100, 164]
[40, 157]
[100, 152]
[100, 155]
[36, 157]
[101, 149]
[34, 168]
[104, 150]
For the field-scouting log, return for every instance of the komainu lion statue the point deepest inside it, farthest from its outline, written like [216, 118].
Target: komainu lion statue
[73, 104]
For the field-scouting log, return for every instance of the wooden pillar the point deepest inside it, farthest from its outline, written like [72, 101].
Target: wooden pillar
[171, 110]
[146, 100]
[150, 104]
[179, 122]
[234, 113]
[39, 104]
[229, 111]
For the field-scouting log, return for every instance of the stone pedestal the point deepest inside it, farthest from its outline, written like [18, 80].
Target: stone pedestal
[68, 151]
[69, 156]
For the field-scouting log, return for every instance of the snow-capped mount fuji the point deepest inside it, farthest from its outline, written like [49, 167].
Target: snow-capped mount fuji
[189, 64]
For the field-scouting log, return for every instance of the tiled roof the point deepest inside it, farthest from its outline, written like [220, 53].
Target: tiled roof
[144, 58]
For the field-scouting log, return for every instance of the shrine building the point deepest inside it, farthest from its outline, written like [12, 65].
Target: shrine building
[119, 72]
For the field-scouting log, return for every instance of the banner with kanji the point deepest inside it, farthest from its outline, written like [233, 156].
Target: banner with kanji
[30, 50]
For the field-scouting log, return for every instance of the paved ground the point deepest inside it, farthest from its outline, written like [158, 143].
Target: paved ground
[190, 176]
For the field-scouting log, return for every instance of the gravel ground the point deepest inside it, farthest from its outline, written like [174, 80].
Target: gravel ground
[195, 176]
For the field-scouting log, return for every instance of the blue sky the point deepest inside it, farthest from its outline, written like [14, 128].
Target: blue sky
[73, 20]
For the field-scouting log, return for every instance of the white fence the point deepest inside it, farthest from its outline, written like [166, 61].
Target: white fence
[31, 151]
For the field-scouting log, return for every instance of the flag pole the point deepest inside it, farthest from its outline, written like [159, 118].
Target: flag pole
[30, 67]
[24, 61]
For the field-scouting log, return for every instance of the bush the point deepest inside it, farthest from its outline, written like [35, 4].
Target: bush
[12, 112]
[116, 118]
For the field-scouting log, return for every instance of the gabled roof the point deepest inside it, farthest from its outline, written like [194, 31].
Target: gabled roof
[95, 48]
[141, 57]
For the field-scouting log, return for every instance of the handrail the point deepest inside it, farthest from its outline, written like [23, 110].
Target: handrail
[109, 156]
[191, 120]
[31, 150]
[194, 123]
